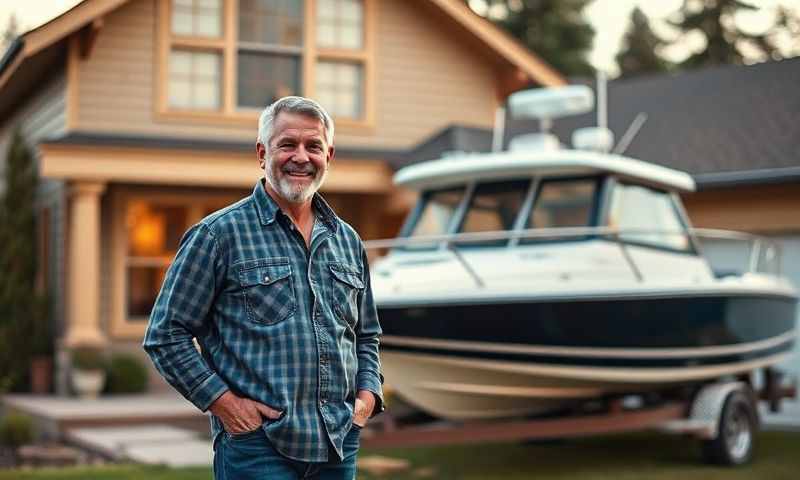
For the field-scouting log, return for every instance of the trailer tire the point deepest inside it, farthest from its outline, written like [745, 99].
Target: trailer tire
[736, 431]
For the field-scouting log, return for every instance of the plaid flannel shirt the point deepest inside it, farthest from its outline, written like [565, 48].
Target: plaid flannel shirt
[292, 327]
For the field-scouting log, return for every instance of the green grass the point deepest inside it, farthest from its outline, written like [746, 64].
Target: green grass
[625, 457]
[116, 472]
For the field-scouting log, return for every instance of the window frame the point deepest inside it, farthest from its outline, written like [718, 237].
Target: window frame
[229, 112]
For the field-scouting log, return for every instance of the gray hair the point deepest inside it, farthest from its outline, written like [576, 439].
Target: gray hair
[299, 105]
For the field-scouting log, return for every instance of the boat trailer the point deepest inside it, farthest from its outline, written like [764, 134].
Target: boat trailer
[723, 415]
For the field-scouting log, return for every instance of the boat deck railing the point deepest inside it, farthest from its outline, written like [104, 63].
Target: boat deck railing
[751, 253]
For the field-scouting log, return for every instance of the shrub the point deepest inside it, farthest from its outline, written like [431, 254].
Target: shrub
[16, 430]
[126, 374]
[87, 358]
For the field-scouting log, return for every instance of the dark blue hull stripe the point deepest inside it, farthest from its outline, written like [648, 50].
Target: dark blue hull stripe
[686, 322]
[559, 360]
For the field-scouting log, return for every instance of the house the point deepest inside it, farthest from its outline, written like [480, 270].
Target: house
[143, 117]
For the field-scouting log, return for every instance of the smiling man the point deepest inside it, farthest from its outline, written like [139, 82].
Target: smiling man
[275, 289]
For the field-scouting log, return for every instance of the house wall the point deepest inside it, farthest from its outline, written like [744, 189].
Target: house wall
[765, 209]
[423, 71]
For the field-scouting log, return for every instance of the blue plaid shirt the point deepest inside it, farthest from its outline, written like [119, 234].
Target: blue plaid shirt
[292, 327]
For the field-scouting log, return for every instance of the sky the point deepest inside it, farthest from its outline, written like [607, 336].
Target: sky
[609, 17]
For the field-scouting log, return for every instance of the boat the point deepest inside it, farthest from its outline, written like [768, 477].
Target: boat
[539, 278]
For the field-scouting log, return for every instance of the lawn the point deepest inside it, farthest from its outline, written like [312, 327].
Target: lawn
[639, 456]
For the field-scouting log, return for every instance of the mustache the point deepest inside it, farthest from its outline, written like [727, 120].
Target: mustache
[301, 168]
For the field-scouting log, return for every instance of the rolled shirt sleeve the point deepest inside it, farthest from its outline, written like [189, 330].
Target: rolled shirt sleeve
[181, 312]
[369, 332]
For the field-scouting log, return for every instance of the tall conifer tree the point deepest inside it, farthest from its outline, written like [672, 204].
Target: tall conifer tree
[724, 39]
[639, 54]
[556, 30]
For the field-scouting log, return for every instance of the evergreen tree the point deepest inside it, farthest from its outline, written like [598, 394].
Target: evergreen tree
[23, 318]
[556, 30]
[639, 51]
[724, 40]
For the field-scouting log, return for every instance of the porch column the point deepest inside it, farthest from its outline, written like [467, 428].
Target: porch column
[83, 274]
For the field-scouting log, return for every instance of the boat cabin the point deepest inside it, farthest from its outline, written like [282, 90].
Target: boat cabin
[579, 217]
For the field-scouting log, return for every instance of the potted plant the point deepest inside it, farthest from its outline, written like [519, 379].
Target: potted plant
[88, 373]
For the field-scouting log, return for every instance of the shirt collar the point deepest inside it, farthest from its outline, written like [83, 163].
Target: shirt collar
[268, 209]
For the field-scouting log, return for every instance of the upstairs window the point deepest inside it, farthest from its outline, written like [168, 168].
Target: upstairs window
[232, 58]
[197, 18]
[269, 51]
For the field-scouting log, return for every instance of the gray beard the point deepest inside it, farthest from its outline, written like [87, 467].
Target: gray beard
[291, 193]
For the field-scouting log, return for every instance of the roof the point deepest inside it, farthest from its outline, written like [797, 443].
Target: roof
[461, 169]
[97, 139]
[56, 31]
[726, 125]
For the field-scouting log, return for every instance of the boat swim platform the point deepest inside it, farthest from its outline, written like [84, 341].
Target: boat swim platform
[54, 415]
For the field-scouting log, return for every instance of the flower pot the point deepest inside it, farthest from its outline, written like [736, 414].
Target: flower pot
[88, 383]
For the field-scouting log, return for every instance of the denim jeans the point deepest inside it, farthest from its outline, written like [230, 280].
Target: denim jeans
[250, 456]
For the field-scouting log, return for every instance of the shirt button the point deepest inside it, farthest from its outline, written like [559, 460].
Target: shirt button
[266, 279]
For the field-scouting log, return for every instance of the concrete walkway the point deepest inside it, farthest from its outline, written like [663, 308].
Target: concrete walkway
[152, 444]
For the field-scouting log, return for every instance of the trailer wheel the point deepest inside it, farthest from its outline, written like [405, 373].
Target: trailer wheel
[736, 431]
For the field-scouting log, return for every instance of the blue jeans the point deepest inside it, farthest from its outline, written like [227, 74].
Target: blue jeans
[250, 456]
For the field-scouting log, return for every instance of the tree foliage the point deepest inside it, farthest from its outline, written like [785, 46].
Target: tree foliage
[556, 30]
[639, 53]
[727, 43]
[24, 327]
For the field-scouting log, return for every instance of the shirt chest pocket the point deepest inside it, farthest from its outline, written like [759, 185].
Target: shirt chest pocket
[346, 286]
[268, 292]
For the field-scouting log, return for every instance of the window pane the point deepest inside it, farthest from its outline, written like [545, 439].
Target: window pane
[340, 24]
[263, 78]
[494, 207]
[636, 207]
[143, 286]
[181, 22]
[271, 22]
[563, 203]
[194, 81]
[201, 18]
[437, 214]
[207, 25]
[154, 230]
[341, 84]
[180, 94]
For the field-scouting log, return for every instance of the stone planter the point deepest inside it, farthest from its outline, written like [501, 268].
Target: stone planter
[88, 383]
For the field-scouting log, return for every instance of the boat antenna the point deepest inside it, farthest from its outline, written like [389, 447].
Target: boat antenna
[499, 129]
[630, 133]
[602, 91]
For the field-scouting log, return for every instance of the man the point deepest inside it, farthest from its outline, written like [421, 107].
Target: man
[276, 290]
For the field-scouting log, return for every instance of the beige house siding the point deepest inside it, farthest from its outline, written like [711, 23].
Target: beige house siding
[423, 72]
[766, 209]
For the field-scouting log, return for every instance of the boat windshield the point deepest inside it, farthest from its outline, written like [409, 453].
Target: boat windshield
[494, 207]
[563, 203]
[435, 215]
[635, 207]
